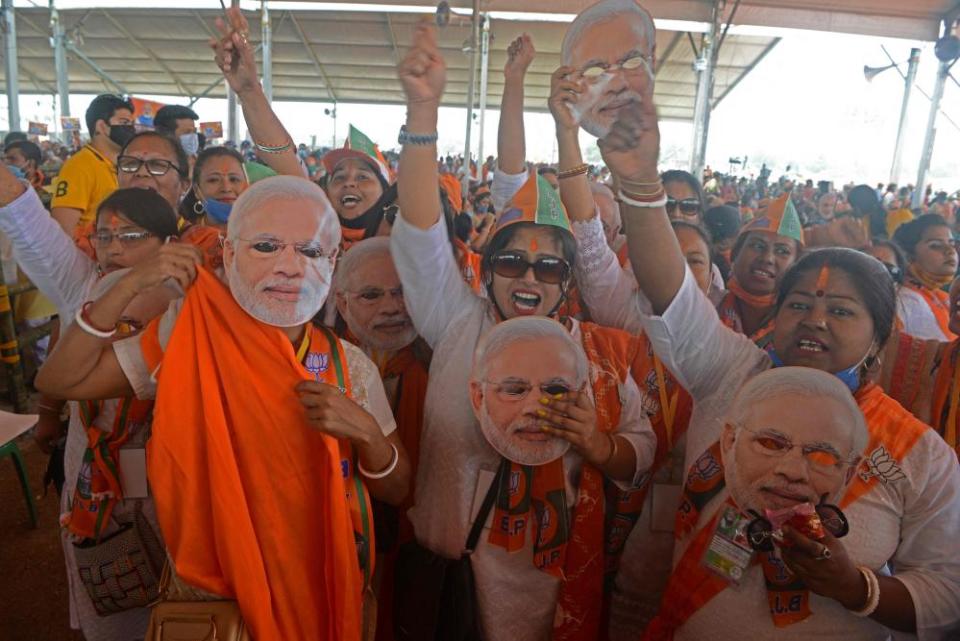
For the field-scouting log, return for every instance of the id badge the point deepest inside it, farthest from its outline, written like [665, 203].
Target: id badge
[133, 472]
[729, 554]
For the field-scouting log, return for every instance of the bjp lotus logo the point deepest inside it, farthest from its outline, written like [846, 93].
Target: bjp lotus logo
[882, 465]
[317, 363]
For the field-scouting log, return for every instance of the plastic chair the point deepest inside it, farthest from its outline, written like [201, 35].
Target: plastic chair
[12, 426]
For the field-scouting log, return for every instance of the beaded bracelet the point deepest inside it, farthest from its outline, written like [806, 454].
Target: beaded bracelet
[579, 170]
[386, 471]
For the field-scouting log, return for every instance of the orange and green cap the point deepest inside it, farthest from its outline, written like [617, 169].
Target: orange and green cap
[536, 202]
[357, 145]
[777, 216]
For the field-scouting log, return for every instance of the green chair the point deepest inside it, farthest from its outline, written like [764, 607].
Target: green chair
[12, 426]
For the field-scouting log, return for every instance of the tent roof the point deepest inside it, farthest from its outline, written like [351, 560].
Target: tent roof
[347, 56]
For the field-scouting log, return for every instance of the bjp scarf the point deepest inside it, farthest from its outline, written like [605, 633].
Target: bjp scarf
[946, 394]
[929, 286]
[98, 487]
[469, 263]
[730, 314]
[892, 434]
[208, 240]
[567, 544]
[250, 499]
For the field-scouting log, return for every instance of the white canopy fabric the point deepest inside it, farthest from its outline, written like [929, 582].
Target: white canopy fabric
[347, 56]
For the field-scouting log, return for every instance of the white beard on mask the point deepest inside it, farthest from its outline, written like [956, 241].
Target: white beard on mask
[515, 448]
[314, 287]
[380, 342]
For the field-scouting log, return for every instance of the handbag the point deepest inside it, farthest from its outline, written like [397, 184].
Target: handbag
[196, 619]
[436, 597]
[122, 571]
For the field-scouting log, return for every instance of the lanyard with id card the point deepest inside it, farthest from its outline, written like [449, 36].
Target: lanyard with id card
[729, 553]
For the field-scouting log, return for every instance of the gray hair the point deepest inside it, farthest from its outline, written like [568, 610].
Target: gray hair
[520, 329]
[359, 253]
[601, 12]
[808, 383]
[278, 189]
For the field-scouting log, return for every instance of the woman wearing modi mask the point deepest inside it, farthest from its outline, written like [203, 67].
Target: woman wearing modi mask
[834, 311]
[526, 272]
[931, 265]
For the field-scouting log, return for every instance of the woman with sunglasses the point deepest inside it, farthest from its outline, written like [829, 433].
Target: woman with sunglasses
[685, 197]
[131, 226]
[834, 312]
[932, 264]
[526, 272]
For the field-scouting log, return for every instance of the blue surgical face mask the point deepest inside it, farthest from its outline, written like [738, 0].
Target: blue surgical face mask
[190, 143]
[17, 172]
[849, 377]
[218, 210]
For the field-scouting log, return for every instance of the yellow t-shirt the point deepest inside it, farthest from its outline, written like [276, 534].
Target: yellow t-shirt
[85, 179]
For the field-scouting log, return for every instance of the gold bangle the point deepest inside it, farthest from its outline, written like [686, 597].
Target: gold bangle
[641, 195]
[271, 149]
[574, 171]
[635, 184]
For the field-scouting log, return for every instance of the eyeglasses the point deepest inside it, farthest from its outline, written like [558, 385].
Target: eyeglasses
[760, 530]
[687, 205]
[546, 269]
[513, 390]
[267, 247]
[155, 166]
[373, 295]
[104, 238]
[820, 458]
[596, 70]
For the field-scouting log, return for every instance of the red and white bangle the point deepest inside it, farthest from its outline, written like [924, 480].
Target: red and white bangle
[387, 471]
[84, 323]
[634, 200]
[873, 593]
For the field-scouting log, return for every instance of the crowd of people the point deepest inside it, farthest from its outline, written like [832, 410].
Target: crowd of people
[361, 395]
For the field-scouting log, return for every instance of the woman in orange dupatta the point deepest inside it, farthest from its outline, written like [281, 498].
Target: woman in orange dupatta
[931, 249]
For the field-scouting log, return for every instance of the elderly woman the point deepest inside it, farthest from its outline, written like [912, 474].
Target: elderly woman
[526, 272]
[834, 312]
[931, 265]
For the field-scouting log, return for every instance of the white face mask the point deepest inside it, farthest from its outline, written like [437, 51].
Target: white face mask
[514, 448]
[314, 287]
[190, 143]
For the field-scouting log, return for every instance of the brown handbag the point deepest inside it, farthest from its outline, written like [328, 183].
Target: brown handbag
[193, 620]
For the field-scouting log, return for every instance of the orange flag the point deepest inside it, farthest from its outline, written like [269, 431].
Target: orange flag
[250, 498]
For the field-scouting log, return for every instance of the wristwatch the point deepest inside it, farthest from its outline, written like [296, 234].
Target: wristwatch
[407, 138]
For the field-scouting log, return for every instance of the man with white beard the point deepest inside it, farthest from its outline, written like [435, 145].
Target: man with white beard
[266, 428]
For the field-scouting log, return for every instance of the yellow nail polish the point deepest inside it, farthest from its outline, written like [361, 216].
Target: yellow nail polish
[542, 413]
[544, 400]
[558, 395]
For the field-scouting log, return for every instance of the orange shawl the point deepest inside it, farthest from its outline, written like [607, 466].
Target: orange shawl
[893, 433]
[939, 303]
[730, 315]
[250, 498]
[469, 263]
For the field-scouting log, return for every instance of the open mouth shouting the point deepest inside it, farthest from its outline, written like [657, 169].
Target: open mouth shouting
[525, 302]
[350, 201]
[809, 345]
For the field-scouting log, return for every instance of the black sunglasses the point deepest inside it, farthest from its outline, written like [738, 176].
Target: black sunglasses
[760, 530]
[687, 205]
[546, 269]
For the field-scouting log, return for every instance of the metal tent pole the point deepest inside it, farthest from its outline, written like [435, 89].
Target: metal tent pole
[705, 66]
[10, 64]
[267, 55]
[484, 72]
[60, 65]
[471, 87]
[233, 125]
[931, 134]
[902, 127]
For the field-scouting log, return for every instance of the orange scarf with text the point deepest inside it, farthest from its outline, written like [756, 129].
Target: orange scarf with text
[250, 499]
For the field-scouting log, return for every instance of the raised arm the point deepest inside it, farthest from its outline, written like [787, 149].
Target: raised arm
[423, 75]
[511, 141]
[45, 253]
[234, 56]
[574, 190]
[631, 150]
[84, 366]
